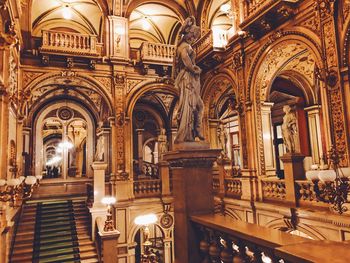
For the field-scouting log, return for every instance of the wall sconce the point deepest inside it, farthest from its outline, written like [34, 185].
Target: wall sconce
[16, 188]
[145, 221]
[336, 186]
[109, 200]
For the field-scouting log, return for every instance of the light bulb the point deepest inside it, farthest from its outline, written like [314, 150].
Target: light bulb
[146, 219]
[225, 8]
[66, 12]
[145, 24]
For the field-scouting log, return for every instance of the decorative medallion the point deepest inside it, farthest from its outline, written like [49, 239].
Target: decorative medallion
[65, 113]
[166, 220]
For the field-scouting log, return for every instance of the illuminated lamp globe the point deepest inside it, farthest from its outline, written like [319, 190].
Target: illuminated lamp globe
[146, 220]
[30, 180]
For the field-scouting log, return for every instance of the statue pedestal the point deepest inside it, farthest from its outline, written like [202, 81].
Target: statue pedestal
[192, 190]
[98, 209]
[293, 170]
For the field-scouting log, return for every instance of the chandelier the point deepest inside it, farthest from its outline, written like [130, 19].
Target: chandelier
[334, 192]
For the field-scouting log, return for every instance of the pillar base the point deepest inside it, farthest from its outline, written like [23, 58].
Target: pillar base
[293, 170]
[191, 168]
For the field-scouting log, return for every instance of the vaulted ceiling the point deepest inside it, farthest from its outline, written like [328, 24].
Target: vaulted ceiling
[82, 16]
[152, 21]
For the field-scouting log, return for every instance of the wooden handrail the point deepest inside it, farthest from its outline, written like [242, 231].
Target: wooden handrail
[256, 242]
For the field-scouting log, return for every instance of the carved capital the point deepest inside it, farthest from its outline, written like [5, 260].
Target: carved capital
[192, 162]
[238, 60]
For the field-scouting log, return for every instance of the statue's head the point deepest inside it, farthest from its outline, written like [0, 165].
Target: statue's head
[190, 31]
[286, 108]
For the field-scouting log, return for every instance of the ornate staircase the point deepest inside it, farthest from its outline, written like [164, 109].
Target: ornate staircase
[54, 231]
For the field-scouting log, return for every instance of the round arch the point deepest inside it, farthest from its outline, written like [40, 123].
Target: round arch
[266, 56]
[37, 132]
[222, 82]
[143, 88]
[173, 5]
[41, 86]
[306, 229]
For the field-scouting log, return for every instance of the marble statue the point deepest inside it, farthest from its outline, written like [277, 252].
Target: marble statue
[289, 129]
[100, 149]
[222, 139]
[187, 81]
[162, 142]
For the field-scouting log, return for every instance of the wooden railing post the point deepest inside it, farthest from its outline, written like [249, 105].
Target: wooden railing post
[107, 243]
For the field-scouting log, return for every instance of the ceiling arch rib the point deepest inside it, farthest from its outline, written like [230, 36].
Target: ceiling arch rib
[153, 23]
[83, 16]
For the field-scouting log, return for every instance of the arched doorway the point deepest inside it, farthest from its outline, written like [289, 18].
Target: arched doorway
[64, 140]
[156, 237]
[153, 131]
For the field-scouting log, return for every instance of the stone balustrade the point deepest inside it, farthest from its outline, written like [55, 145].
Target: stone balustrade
[253, 6]
[273, 189]
[156, 53]
[216, 185]
[56, 42]
[233, 187]
[204, 44]
[147, 188]
[223, 239]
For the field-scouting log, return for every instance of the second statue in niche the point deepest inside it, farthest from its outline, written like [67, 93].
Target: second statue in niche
[187, 81]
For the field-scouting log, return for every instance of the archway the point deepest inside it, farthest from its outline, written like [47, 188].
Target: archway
[291, 59]
[70, 141]
[152, 131]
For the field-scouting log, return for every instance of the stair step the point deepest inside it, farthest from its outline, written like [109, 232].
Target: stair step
[57, 242]
[58, 252]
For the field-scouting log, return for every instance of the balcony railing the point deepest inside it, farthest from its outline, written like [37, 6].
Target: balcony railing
[55, 42]
[147, 188]
[233, 187]
[222, 239]
[273, 189]
[253, 6]
[156, 53]
[204, 44]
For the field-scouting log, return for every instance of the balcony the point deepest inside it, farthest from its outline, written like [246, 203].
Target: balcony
[262, 16]
[72, 44]
[209, 48]
[222, 239]
[156, 53]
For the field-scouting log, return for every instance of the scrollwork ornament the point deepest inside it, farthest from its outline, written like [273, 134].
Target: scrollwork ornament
[238, 59]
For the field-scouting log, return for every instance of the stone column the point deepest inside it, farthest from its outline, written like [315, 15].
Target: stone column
[213, 126]
[167, 251]
[172, 138]
[190, 167]
[293, 170]
[4, 124]
[140, 147]
[269, 152]
[165, 177]
[98, 209]
[313, 114]
[117, 31]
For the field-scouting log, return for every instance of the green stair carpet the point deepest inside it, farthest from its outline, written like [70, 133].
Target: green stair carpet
[56, 237]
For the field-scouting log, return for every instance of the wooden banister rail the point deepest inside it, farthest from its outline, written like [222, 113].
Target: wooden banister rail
[221, 239]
